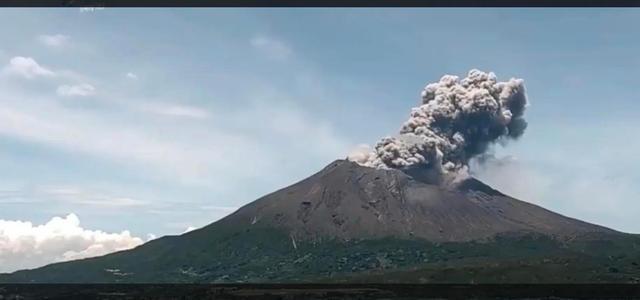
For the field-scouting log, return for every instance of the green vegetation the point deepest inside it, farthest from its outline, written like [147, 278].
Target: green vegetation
[268, 255]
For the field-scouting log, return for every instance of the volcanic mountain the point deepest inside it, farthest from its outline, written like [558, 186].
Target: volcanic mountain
[350, 223]
[347, 201]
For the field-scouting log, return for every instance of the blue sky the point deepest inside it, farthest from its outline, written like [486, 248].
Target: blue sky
[156, 120]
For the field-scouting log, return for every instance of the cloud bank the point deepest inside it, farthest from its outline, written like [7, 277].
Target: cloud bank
[25, 245]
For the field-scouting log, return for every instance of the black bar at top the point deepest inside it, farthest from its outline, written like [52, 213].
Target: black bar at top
[320, 3]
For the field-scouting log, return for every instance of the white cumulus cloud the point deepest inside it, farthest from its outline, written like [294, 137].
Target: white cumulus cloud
[80, 90]
[27, 67]
[54, 41]
[24, 245]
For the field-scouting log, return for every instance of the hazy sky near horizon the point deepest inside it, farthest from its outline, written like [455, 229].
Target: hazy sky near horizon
[153, 121]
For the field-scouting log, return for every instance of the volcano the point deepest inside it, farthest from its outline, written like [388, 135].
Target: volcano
[350, 223]
[347, 201]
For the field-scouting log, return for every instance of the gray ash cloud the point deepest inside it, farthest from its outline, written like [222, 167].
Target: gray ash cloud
[456, 120]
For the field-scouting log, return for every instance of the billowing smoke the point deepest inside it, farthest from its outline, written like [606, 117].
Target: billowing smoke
[457, 120]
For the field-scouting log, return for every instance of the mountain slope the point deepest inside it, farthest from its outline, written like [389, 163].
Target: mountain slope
[353, 223]
[348, 201]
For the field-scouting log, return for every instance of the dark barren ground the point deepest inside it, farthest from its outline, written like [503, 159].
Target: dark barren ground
[352, 224]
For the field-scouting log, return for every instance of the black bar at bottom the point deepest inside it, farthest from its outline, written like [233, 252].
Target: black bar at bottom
[317, 291]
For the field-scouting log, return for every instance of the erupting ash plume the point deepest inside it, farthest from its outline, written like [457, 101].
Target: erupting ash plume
[457, 120]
